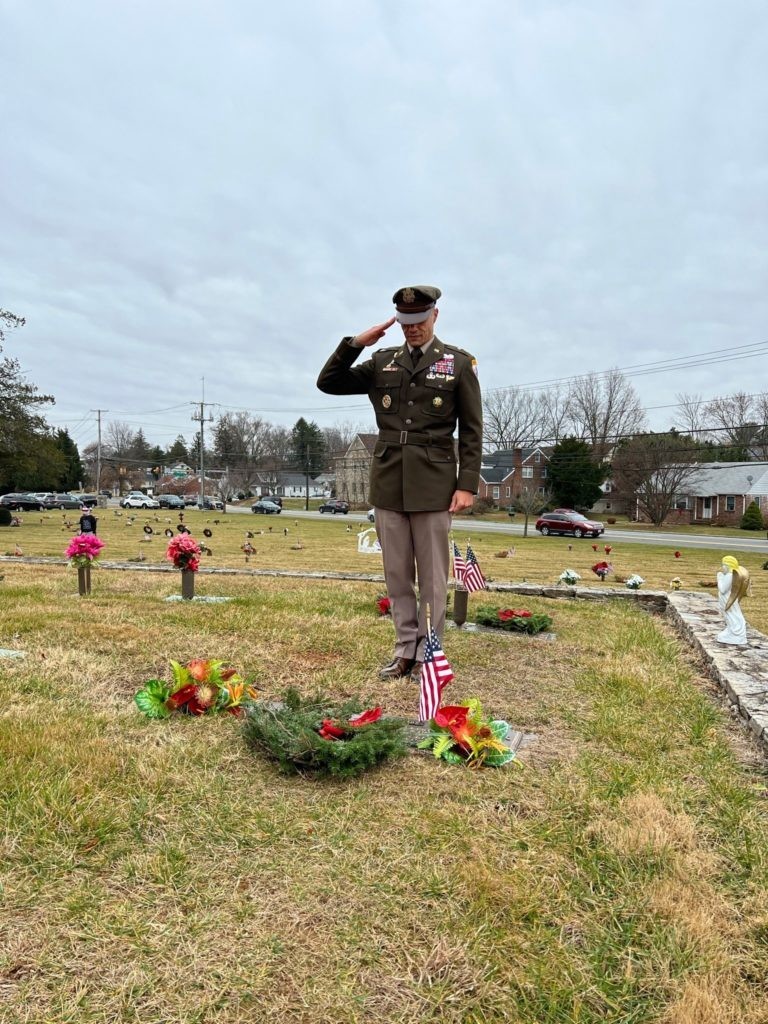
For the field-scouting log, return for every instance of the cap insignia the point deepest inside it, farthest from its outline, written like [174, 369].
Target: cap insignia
[409, 295]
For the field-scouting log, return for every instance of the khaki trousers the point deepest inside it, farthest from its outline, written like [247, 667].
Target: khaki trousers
[415, 543]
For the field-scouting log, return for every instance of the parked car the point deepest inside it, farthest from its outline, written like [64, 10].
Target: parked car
[22, 502]
[138, 500]
[371, 515]
[63, 501]
[211, 505]
[272, 497]
[266, 507]
[334, 505]
[170, 501]
[568, 522]
[190, 499]
[87, 499]
[105, 492]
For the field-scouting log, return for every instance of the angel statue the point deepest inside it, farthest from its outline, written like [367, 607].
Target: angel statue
[732, 586]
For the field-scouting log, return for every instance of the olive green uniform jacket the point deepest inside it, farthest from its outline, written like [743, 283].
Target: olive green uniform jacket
[414, 462]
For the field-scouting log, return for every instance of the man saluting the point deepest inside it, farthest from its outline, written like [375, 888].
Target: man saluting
[420, 391]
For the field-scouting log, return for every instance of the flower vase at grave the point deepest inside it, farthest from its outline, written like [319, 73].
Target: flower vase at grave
[460, 597]
[84, 580]
[187, 584]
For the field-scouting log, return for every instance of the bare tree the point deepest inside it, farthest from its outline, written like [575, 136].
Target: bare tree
[760, 445]
[555, 415]
[340, 436]
[511, 418]
[242, 442]
[651, 471]
[734, 419]
[691, 415]
[530, 502]
[604, 408]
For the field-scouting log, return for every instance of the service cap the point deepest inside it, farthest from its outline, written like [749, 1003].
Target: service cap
[415, 302]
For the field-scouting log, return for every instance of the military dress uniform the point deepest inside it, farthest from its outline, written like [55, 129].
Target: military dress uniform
[414, 470]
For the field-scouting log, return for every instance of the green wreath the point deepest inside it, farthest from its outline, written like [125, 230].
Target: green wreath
[315, 736]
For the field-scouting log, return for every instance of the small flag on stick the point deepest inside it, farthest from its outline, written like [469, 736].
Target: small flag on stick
[473, 577]
[459, 565]
[436, 672]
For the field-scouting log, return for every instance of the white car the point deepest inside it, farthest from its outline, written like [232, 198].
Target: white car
[371, 515]
[138, 500]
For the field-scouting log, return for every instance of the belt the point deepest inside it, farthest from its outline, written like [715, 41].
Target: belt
[414, 437]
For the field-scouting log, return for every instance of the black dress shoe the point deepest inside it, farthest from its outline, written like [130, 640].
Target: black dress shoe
[397, 668]
[416, 671]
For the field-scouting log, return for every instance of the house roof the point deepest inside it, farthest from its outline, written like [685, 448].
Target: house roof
[495, 474]
[727, 478]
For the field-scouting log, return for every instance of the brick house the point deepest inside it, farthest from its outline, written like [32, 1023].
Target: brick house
[719, 493]
[353, 469]
[504, 474]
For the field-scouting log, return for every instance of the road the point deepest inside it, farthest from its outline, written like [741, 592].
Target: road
[755, 544]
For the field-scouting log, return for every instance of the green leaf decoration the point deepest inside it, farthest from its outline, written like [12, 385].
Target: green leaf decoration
[496, 758]
[453, 758]
[425, 744]
[443, 744]
[181, 677]
[151, 699]
[499, 728]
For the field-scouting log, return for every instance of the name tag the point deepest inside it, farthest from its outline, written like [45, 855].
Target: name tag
[391, 367]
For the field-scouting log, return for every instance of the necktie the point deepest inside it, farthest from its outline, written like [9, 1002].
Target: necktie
[415, 355]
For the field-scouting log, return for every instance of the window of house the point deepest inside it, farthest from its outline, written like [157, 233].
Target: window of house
[537, 457]
[730, 503]
[607, 487]
[508, 491]
[543, 472]
[607, 506]
[527, 472]
[681, 503]
[542, 490]
[496, 492]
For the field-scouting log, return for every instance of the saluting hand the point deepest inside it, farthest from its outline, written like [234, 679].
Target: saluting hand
[372, 335]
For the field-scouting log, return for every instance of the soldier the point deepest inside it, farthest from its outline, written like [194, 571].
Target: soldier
[419, 390]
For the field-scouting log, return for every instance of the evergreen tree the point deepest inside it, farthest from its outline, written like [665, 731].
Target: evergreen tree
[178, 451]
[73, 473]
[307, 447]
[752, 518]
[573, 475]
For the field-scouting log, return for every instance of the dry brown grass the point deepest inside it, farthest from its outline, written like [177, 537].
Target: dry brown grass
[158, 873]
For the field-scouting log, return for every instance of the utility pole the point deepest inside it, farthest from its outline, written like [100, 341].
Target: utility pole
[201, 419]
[98, 450]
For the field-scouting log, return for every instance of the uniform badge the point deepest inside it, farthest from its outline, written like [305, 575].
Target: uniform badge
[409, 295]
[386, 401]
[437, 402]
[474, 366]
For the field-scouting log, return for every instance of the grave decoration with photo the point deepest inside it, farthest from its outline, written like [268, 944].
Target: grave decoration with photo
[461, 735]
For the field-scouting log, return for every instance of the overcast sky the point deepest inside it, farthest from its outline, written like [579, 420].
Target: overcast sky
[223, 189]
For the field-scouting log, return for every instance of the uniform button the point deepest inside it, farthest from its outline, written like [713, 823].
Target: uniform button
[412, 384]
[409, 421]
[410, 403]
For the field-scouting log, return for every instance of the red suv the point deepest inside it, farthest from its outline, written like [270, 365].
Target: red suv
[565, 521]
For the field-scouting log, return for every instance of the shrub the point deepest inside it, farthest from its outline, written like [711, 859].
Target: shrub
[481, 506]
[290, 733]
[752, 518]
[5, 517]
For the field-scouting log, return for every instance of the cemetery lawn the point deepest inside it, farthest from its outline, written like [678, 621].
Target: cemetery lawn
[161, 873]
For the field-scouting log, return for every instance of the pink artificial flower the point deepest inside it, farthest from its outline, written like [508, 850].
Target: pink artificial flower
[84, 548]
[184, 552]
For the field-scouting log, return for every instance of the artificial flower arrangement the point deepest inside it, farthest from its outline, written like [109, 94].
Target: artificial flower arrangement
[513, 620]
[198, 688]
[384, 605]
[634, 582]
[602, 569]
[184, 552]
[676, 583]
[460, 734]
[312, 735]
[83, 550]
[569, 576]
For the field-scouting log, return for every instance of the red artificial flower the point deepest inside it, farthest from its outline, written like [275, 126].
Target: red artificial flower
[594, 547]
[365, 717]
[198, 668]
[514, 613]
[454, 718]
[677, 554]
[384, 605]
[608, 549]
[329, 730]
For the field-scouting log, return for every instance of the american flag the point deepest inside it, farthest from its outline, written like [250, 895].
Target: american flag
[473, 577]
[436, 672]
[459, 565]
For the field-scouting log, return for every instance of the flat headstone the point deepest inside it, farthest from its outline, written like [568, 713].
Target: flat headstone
[198, 599]
[473, 627]
[5, 652]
